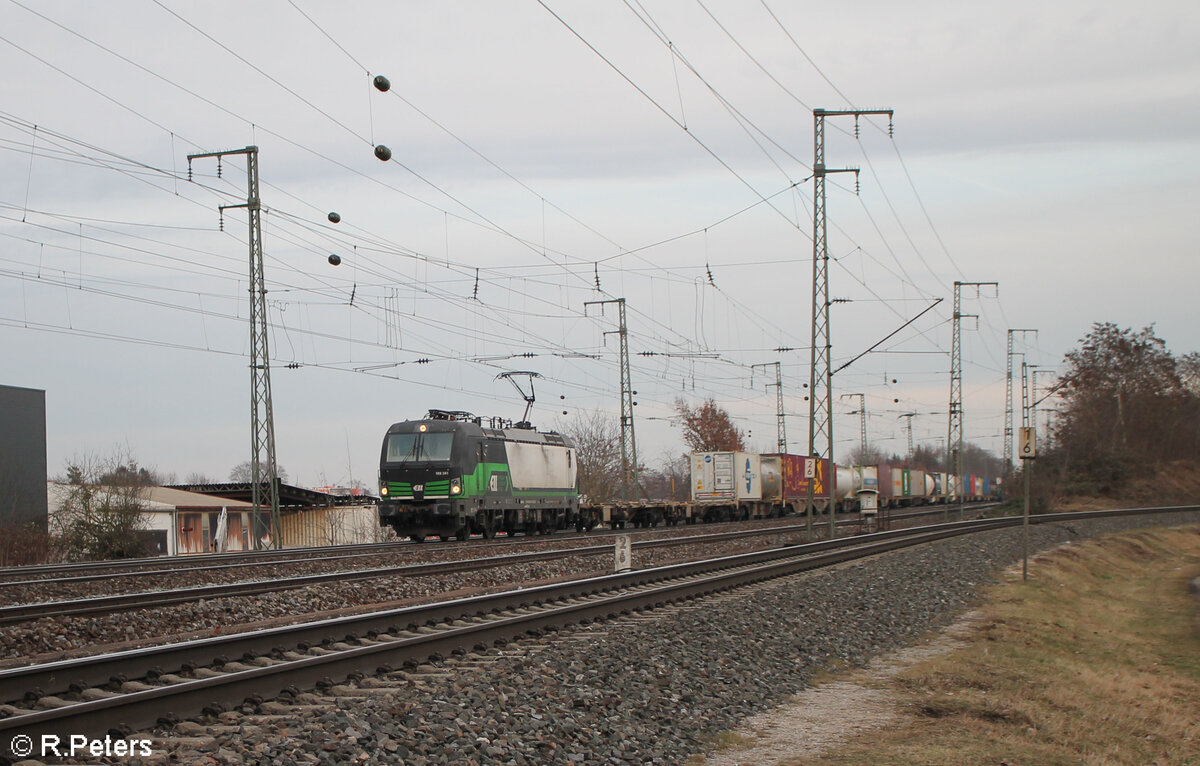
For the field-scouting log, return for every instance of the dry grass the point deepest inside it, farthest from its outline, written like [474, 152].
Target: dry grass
[1096, 660]
[1176, 483]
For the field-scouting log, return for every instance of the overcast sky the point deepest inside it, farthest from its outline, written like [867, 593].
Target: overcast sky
[546, 155]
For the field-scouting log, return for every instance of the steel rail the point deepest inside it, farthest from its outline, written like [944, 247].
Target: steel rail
[16, 613]
[218, 561]
[101, 669]
[547, 607]
[550, 607]
[207, 567]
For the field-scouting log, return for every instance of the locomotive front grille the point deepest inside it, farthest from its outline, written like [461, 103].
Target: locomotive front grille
[408, 489]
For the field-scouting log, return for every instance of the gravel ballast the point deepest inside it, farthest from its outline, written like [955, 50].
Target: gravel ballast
[652, 688]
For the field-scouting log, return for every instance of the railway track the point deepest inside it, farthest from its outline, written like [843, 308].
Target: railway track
[143, 600]
[96, 694]
[104, 604]
[133, 690]
[90, 571]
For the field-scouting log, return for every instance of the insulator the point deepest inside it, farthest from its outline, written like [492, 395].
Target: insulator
[335, 218]
[221, 219]
[334, 259]
[218, 167]
[382, 84]
[383, 153]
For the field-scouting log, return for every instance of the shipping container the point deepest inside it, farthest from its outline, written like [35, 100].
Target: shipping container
[920, 486]
[722, 477]
[884, 473]
[792, 469]
[937, 481]
[857, 478]
[771, 477]
[851, 482]
[900, 487]
[952, 486]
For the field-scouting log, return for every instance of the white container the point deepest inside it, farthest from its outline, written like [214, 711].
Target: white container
[719, 477]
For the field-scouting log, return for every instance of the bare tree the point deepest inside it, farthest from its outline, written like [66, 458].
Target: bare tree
[334, 526]
[597, 438]
[101, 513]
[1189, 372]
[671, 480]
[873, 456]
[1128, 406]
[708, 428]
[242, 473]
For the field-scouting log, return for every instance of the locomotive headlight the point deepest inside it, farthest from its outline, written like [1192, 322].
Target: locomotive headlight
[456, 486]
[383, 491]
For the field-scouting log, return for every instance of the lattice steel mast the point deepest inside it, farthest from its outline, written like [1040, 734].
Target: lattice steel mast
[820, 399]
[862, 424]
[954, 433]
[262, 418]
[630, 481]
[780, 418]
[909, 416]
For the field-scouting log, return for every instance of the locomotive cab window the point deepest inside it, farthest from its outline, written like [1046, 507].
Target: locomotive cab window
[419, 447]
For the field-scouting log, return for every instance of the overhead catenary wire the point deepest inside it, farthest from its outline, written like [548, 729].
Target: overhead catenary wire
[305, 236]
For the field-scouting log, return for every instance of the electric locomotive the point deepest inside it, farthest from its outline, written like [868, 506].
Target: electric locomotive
[450, 475]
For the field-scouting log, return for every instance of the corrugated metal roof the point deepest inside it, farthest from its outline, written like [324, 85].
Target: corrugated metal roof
[158, 499]
[179, 498]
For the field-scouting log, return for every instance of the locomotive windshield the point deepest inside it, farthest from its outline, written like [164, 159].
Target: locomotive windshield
[418, 447]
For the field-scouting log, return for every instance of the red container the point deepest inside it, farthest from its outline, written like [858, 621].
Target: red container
[795, 484]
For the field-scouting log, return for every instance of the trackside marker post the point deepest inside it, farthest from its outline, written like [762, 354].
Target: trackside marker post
[623, 554]
[1027, 452]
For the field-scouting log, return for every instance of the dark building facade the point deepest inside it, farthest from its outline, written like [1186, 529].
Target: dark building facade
[22, 456]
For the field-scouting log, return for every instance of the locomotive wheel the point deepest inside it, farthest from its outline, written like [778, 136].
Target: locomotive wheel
[462, 534]
[489, 529]
[443, 538]
[418, 538]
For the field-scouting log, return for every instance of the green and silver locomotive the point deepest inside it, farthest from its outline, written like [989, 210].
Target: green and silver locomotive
[451, 475]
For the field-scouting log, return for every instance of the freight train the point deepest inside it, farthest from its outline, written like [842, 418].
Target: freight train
[742, 485]
[452, 475]
[729, 486]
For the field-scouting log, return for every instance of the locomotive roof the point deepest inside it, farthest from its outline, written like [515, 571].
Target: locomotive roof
[474, 428]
